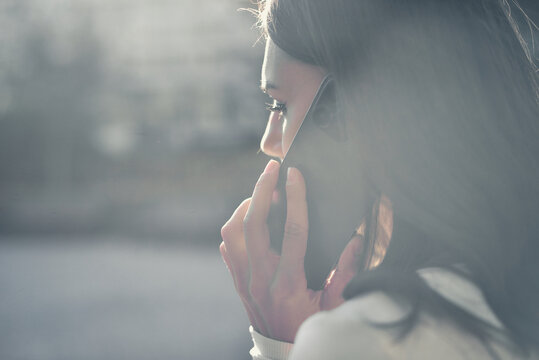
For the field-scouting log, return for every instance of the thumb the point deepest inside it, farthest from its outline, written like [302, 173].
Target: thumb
[347, 268]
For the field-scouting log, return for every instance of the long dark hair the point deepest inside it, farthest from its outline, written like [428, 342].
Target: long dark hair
[444, 103]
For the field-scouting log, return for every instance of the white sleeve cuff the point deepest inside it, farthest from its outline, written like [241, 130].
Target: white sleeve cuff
[268, 349]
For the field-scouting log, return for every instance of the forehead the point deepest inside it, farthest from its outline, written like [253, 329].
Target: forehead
[275, 60]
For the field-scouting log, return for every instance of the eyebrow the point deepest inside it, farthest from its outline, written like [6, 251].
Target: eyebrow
[265, 86]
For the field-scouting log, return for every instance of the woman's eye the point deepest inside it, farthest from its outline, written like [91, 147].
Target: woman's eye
[276, 107]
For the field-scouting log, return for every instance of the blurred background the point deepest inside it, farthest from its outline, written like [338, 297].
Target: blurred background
[129, 132]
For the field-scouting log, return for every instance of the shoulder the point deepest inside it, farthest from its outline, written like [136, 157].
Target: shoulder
[351, 329]
[348, 330]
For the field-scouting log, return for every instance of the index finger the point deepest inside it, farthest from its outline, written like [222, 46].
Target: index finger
[255, 226]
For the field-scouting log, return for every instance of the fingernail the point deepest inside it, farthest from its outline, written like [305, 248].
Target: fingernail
[271, 166]
[291, 176]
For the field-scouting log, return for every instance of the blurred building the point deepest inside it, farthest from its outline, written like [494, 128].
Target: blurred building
[137, 116]
[111, 105]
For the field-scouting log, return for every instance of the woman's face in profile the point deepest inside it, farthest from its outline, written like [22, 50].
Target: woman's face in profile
[291, 85]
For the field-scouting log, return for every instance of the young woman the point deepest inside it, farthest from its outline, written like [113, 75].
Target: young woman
[441, 101]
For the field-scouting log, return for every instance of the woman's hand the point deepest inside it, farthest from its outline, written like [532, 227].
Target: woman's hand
[273, 287]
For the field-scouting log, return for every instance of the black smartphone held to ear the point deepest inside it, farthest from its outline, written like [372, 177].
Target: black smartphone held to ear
[336, 195]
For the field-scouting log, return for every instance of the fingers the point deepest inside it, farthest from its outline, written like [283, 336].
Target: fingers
[296, 230]
[233, 249]
[232, 232]
[346, 269]
[255, 227]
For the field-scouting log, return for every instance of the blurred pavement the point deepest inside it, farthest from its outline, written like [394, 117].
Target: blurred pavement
[103, 298]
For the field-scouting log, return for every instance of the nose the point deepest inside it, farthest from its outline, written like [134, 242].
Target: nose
[271, 143]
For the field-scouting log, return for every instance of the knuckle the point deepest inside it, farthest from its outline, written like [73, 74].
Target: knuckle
[222, 249]
[294, 230]
[227, 231]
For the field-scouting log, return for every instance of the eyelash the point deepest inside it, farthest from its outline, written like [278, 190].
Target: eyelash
[276, 107]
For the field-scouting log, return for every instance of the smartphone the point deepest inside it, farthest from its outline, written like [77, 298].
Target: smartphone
[336, 196]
